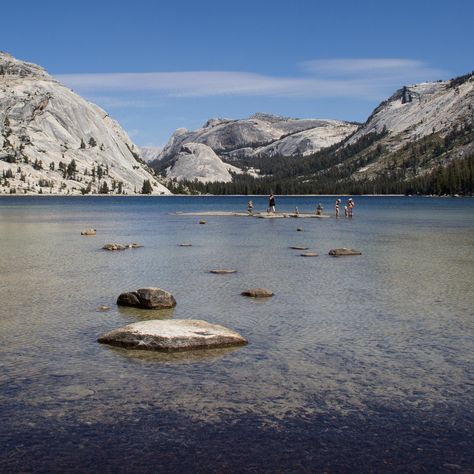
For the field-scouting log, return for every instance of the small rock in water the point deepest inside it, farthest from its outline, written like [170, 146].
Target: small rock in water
[185, 245]
[309, 254]
[103, 307]
[343, 252]
[202, 221]
[115, 246]
[173, 335]
[89, 232]
[134, 245]
[297, 247]
[299, 229]
[147, 298]
[257, 293]
[222, 271]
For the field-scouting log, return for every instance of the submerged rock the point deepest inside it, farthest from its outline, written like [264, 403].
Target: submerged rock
[89, 232]
[257, 293]
[343, 252]
[297, 247]
[309, 254]
[173, 335]
[115, 246]
[185, 245]
[103, 307]
[134, 245]
[223, 271]
[299, 229]
[147, 298]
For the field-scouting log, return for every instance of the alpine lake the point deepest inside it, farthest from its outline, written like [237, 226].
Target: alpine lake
[356, 364]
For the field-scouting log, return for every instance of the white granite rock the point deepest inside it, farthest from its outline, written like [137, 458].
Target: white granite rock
[173, 335]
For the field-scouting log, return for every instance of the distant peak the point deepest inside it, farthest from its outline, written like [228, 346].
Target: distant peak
[10, 66]
[213, 122]
[265, 117]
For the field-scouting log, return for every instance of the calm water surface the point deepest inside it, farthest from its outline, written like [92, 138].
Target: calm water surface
[360, 364]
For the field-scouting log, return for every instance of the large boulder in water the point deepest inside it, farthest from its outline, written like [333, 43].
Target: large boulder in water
[173, 335]
[147, 298]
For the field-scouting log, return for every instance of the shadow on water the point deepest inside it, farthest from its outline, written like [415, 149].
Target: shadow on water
[162, 441]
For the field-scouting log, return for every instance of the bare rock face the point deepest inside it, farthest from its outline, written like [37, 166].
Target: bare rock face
[258, 293]
[147, 298]
[173, 335]
[344, 252]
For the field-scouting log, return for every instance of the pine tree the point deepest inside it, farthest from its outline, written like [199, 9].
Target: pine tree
[147, 188]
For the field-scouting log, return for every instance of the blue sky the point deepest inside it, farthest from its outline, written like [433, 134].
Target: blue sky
[159, 65]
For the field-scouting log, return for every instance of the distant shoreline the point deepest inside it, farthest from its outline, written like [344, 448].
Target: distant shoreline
[219, 195]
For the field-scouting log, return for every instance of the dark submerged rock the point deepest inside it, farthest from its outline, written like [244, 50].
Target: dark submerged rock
[147, 298]
[257, 293]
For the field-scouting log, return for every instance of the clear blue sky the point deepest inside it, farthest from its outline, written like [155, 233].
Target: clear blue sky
[159, 65]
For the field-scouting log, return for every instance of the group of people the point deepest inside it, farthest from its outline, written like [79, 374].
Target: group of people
[348, 208]
[270, 208]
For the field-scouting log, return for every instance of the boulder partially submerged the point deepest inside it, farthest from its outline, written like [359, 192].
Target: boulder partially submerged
[223, 271]
[173, 335]
[147, 298]
[309, 254]
[257, 293]
[115, 246]
[344, 252]
[89, 232]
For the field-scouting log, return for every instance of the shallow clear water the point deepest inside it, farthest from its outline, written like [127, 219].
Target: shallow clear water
[360, 363]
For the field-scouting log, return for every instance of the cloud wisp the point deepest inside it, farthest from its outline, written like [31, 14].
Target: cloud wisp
[368, 79]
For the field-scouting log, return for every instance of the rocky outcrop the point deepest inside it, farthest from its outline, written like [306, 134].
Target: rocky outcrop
[52, 141]
[147, 298]
[198, 161]
[344, 252]
[173, 335]
[258, 293]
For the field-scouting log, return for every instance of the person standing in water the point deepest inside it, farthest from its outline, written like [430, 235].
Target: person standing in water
[338, 203]
[271, 203]
[350, 206]
[250, 207]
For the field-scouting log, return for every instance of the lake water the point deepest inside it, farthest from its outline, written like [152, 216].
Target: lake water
[357, 364]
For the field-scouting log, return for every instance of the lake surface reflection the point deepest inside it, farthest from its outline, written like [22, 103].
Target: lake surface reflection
[356, 364]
